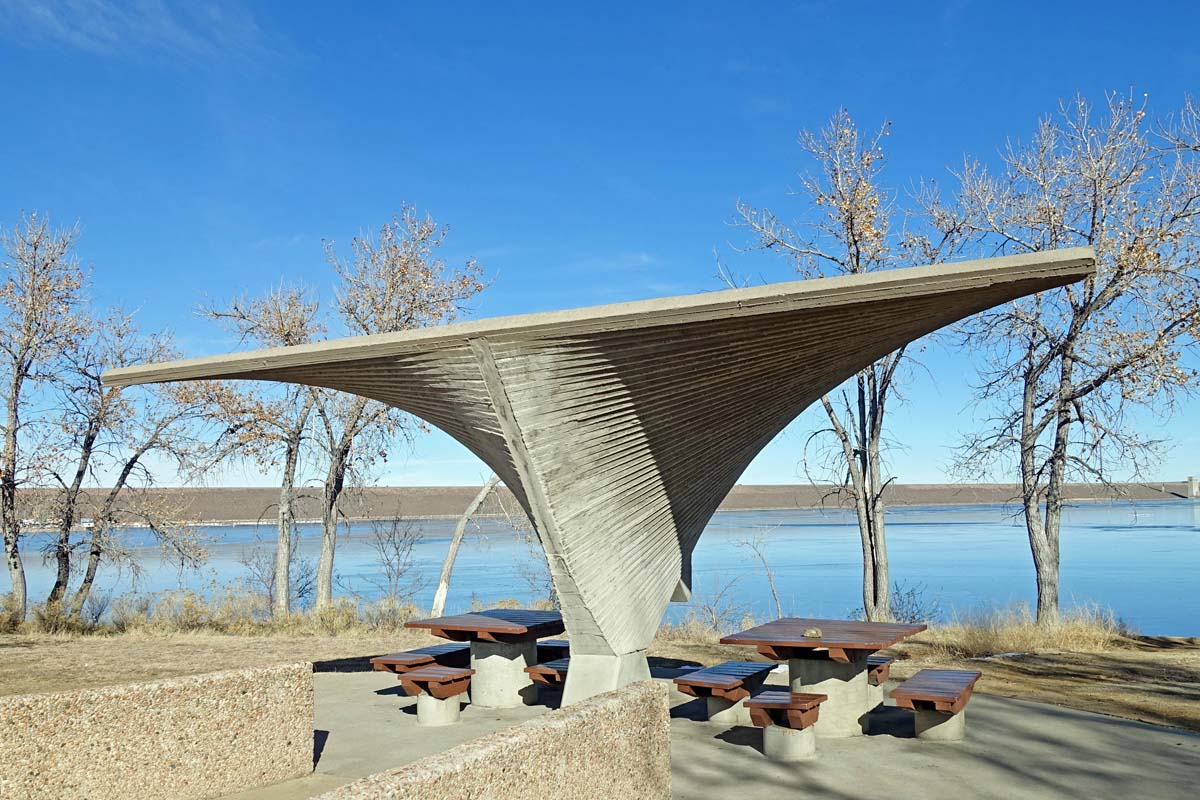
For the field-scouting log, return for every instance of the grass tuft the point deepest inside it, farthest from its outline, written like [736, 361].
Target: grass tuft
[1086, 629]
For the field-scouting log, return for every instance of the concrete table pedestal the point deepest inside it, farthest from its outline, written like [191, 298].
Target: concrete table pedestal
[844, 683]
[500, 679]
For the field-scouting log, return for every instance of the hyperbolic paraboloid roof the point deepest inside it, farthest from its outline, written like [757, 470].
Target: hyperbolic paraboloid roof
[620, 428]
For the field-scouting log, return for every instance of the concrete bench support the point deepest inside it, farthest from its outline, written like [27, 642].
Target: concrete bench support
[937, 726]
[788, 744]
[435, 712]
[788, 720]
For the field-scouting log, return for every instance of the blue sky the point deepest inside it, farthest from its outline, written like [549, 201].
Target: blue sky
[583, 156]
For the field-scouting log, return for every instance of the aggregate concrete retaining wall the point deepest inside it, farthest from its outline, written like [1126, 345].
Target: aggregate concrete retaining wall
[183, 738]
[613, 745]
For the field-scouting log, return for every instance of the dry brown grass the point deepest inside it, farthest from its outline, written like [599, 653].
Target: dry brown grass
[49, 663]
[1015, 630]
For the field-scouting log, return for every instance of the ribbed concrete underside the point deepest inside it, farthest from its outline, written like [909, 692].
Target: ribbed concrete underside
[621, 428]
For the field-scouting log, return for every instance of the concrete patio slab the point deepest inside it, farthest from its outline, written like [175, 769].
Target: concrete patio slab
[1013, 749]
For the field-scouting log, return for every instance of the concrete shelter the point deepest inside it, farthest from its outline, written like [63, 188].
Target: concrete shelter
[620, 428]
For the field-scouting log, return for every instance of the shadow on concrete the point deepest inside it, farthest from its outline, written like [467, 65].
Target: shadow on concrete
[695, 709]
[742, 736]
[1013, 749]
[671, 667]
[319, 739]
[351, 664]
[899, 723]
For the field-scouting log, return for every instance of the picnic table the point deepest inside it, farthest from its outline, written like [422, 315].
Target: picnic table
[829, 657]
[503, 643]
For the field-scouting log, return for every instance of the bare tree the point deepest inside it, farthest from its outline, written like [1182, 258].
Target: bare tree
[757, 544]
[1062, 370]
[393, 541]
[460, 530]
[271, 427]
[40, 299]
[96, 430]
[262, 573]
[849, 230]
[393, 282]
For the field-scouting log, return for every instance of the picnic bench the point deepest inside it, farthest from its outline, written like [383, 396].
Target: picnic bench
[552, 673]
[787, 720]
[724, 686]
[438, 691]
[445, 655]
[938, 699]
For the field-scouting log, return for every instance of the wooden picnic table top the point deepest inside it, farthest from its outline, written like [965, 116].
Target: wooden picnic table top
[785, 638]
[496, 624]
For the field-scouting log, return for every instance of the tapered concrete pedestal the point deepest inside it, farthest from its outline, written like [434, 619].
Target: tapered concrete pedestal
[844, 683]
[789, 744]
[595, 674]
[728, 712]
[434, 712]
[934, 726]
[500, 680]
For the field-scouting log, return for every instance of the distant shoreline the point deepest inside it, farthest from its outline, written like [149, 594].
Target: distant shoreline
[256, 505]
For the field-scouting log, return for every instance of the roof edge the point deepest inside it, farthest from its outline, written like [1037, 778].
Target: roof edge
[1067, 264]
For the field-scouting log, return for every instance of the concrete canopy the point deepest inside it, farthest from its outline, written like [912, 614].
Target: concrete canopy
[620, 428]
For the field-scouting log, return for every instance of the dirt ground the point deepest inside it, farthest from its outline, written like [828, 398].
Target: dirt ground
[1154, 680]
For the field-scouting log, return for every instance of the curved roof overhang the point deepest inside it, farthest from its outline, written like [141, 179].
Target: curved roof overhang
[620, 428]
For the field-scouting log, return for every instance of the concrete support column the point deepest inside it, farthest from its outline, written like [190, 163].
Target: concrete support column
[728, 712]
[846, 686]
[591, 674]
[788, 744]
[935, 726]
[500, 680]
[434, 712]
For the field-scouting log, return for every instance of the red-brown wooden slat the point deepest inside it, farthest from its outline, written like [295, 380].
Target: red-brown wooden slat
[840, 634]
[948, 690]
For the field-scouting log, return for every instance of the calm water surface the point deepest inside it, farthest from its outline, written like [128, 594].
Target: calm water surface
[1140, 560]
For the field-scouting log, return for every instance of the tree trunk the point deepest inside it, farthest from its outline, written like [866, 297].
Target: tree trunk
[335, 481]
[8, 503]
[70, 513]
[281, 598]
[443, 586]
[1043, 531]
[95, 551]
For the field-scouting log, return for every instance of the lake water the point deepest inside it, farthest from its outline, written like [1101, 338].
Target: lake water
[1141, 560]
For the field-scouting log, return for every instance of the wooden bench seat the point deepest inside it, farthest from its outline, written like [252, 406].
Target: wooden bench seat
[938, 699]
[789, 709]
[878, 669]
[552, 673]
[444, 655]
[733, 680]
[553, 650]
[944, 690]
[438, 691]
[436, 681]
[787, 720]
